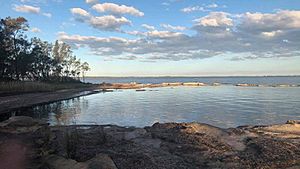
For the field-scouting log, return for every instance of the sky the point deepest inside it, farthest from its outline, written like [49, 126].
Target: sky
[170, 37]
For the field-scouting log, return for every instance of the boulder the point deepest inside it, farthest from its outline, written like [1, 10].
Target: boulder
[101, 161]
[58, 162]
[19, 121]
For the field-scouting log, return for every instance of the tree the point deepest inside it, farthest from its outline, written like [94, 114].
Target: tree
[42, 65]
[17, 46]
[84, 68]
[36, 60]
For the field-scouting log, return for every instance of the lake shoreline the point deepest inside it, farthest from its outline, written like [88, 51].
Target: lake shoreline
[161, 146]
[24, 100]
[14, 102]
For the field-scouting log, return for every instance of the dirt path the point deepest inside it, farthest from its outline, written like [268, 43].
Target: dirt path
[9, 103]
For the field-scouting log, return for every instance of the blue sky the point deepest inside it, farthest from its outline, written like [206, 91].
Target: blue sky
[171, 37]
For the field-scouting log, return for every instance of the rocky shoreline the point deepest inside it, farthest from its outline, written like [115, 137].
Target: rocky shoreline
[28, 143]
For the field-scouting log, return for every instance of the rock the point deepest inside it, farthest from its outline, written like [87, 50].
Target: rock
[140, 90]
[22, 124]
[161, 146]
[57, 162]
[247, 85]
[101, 161]
[155, 143]
[293, 122]
[134, 134]
[19, 121]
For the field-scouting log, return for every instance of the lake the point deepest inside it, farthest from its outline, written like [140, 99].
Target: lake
[263, 80]
[223, 106]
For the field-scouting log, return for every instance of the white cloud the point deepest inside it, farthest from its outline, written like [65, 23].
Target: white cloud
[80, 12]
[49, 15]
[193, 8]
[201, 8]
[148, 27]
[109, 22]
[251, 36]
[215, 19]
[35, 30]
[163, 34]
[271, 34]
[30, 9]
[117, 9]
[91, 1]
[27, 9]
[105, 23]
[281, 20]
[176, 28]
[212, 5]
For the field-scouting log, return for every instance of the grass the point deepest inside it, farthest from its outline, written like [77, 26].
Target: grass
[17, 87]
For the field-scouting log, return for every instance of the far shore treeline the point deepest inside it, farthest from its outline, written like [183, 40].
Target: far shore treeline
[23, 59]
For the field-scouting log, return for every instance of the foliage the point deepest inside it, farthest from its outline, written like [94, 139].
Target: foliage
[35, 60]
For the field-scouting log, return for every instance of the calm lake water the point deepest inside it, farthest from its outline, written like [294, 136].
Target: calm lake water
[271, 80]
[223, 106]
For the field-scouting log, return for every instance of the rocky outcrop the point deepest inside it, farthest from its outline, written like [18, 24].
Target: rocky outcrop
[100, 161]
[161, 146]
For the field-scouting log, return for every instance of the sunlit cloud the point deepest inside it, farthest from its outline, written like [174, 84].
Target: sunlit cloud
[117, 9]
[27, 9]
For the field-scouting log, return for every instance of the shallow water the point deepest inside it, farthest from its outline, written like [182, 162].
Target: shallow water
[223, 106]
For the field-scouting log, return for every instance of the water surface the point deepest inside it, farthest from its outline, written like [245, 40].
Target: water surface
[268, 80]
[223, 106]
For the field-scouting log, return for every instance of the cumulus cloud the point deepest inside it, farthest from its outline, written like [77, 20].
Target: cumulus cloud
[27, 9]
[79, 12]
[171, 27]
[260, 22]
[30, 9]
[109, 22]
[116, 9]
[106, 22]
[148, 27]
[91, 1]
[35, 30]
[251, 36]
[215, 19]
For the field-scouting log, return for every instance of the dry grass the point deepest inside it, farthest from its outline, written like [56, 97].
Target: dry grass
[29, 87]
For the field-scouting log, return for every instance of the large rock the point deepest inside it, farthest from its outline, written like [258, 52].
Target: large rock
[57, 162]
[101, 161]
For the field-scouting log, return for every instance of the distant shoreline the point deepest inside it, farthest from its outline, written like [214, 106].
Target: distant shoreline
[134, 85]
[238, 76]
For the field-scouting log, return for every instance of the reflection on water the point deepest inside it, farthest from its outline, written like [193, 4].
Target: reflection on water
[224, 106]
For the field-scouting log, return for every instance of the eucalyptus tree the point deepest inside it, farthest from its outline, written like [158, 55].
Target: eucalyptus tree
[84, 68]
